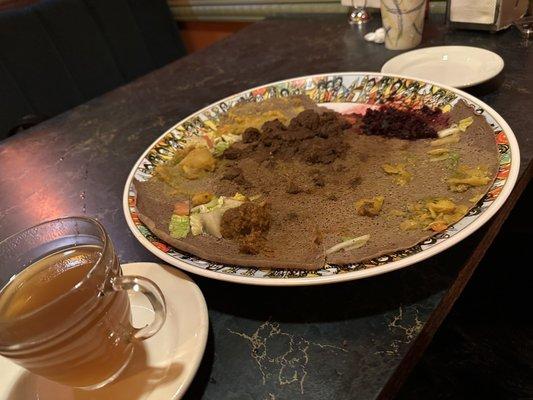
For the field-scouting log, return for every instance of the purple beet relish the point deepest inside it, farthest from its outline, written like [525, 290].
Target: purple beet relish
[402, 124]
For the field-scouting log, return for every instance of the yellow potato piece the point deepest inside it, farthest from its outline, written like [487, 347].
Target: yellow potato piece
[438, 226]
[201, 198]
[441, 206]
[397, 213]
[409, 225]
[462, 185]
[197, 162]
[465, 178]
[435, 214]
[465, 123]
[402, 175]
[369, 207]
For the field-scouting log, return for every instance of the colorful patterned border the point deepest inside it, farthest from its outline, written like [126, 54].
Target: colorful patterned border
[354, 88]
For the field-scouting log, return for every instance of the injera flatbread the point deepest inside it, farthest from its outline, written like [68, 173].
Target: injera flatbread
[329, 211]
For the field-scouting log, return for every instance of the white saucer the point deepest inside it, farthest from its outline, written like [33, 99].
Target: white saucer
[457, 66]
[162, 367]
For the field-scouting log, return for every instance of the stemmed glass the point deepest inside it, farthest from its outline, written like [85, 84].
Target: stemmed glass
[359, 14]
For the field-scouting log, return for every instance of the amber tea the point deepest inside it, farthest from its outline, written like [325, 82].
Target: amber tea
[95, 348]
[64, 310]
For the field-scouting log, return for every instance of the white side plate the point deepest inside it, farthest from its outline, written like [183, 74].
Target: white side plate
[456, 66]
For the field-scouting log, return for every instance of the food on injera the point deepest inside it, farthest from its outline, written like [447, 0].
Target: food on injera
[312, 200]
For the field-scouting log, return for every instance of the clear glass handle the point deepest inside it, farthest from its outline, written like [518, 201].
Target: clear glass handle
[154, 295]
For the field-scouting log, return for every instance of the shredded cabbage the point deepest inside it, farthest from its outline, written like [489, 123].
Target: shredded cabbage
[454, 159]
[439, 151]
[230, 138]
[465, 123]
[440, 158]
[454, 138]
[211, 222]
[220, 147]
[230, 203]
[449, 131]
[179, 226]
[456, 128]
[350, 244]
[206, 218]
[223, 142]
[203, 208]
[196, 224]
[239, 196]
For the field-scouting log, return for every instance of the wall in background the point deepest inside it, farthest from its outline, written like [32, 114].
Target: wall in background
[199, 34]
[248, 10]
[203, 22]
[253, 10]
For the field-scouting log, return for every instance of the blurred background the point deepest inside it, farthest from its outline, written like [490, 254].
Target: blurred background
[202, 22]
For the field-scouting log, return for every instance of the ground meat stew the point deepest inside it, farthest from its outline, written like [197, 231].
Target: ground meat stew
[247, 224]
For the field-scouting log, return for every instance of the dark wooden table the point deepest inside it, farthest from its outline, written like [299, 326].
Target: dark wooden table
[345, 341]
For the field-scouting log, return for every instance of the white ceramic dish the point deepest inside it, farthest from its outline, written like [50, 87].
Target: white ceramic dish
[344, 92]
[162, 367]
[456, 66]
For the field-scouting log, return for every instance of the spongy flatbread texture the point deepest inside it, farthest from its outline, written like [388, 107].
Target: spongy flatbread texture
[328, 212]
[288, 245]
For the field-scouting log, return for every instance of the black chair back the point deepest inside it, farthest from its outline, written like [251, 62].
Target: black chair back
[57, 54]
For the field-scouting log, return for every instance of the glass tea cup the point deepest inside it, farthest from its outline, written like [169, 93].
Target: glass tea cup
[64, 309]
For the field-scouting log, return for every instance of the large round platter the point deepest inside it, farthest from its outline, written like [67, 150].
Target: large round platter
[342, 91]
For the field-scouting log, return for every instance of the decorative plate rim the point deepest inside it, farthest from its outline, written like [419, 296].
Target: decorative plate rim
[477, 223]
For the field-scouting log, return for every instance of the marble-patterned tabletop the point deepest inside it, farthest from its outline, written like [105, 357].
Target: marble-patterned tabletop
[354, 340]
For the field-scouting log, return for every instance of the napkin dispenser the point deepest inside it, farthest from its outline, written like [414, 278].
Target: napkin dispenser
[492, 15]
